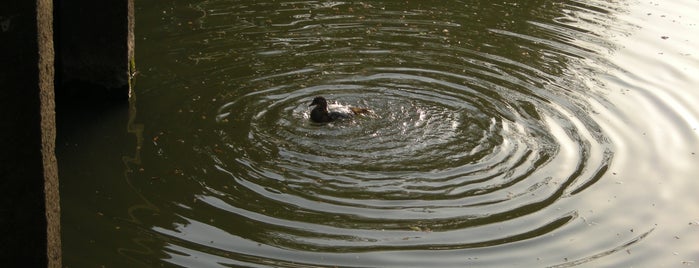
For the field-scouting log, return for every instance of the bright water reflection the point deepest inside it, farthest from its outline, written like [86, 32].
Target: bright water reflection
[501, 134]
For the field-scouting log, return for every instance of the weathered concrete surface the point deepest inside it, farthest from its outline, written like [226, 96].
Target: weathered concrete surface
[44, 15]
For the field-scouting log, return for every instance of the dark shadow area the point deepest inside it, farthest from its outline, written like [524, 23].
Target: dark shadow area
[73, 54]
[22, 203]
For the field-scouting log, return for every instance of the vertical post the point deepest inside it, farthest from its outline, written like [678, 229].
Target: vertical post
[94, 44]
[44, 15]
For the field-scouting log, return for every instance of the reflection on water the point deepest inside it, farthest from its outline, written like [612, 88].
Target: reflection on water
[501, 134]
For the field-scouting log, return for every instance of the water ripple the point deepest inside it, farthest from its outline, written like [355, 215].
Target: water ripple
[441, 152]
[476, 133]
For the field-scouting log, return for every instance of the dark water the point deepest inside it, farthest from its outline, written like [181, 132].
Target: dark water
[501, 134]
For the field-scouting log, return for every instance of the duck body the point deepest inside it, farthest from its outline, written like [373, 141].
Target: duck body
[321, 113]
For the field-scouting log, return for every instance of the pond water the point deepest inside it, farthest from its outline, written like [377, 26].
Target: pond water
[537, 134]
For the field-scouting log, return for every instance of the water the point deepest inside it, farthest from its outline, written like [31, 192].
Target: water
[501, 134]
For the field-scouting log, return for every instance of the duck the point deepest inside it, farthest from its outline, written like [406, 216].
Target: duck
[321, 114]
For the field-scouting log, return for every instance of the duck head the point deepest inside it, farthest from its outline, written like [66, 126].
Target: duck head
[320, 101]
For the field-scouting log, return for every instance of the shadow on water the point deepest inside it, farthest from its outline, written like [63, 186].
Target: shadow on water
[485, 145]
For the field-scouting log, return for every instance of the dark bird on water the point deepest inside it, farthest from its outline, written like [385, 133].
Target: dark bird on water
[321, 114]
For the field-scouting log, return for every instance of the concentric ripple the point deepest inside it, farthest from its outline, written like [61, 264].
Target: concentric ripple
[436, 153]
[471, 142]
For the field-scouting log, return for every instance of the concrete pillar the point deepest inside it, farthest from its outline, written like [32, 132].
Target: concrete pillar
[94, 49]
[44, 11]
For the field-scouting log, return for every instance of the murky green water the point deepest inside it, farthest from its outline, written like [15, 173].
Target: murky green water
[501, 134]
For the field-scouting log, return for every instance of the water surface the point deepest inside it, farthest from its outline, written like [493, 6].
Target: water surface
[501, 134]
